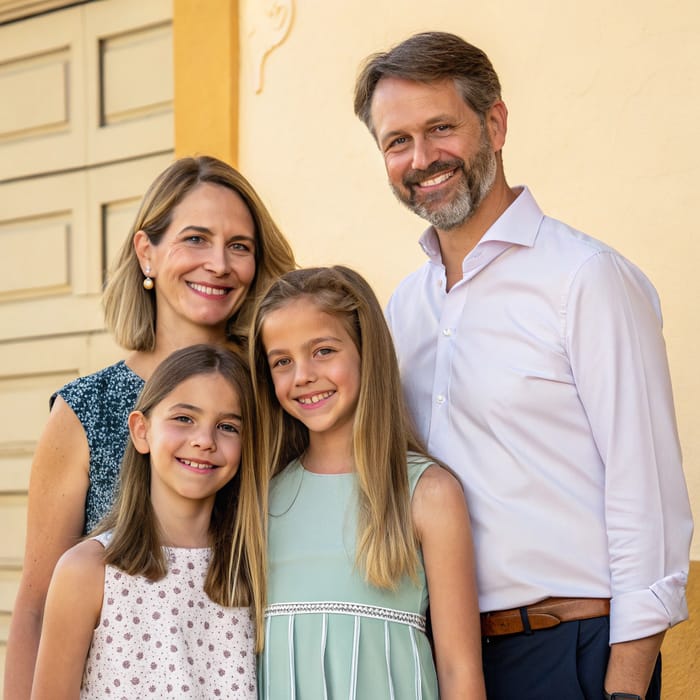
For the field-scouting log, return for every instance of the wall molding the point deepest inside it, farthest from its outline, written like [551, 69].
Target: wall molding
[12, 10]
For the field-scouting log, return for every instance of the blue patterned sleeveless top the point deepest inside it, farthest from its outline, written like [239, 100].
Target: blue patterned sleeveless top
[102, 402]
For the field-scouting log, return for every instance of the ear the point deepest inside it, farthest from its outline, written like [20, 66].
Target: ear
[138, 427]
[142, 246]
[497, 124]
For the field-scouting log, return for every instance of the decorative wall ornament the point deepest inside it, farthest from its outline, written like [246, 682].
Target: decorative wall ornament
[271, 22]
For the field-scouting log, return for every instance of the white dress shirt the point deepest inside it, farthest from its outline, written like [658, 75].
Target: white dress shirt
[541, 378]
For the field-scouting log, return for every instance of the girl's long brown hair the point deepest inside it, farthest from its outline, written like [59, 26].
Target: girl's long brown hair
[236, 575]
[387, 546]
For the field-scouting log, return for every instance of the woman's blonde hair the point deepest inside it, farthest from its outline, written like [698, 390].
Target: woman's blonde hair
[236, 575]
[130, 310]
[387, 546]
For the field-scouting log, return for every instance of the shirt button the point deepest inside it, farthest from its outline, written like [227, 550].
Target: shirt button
[440, 400]
[447, 332]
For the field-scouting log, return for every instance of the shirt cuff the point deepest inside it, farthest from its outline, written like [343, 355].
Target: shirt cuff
[639, 614]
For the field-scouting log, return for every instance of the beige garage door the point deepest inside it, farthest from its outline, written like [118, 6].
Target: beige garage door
[85, 124]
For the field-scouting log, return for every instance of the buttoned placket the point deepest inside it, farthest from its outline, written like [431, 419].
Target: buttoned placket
[453, 307]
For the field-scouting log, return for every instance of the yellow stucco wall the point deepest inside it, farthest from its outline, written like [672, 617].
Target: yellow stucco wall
[604, 106]
[205, 49]
[681, 648]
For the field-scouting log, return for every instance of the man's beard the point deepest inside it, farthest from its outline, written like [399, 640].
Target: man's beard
[476, 182]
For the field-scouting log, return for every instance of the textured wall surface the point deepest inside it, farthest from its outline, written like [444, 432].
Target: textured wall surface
[681, 648]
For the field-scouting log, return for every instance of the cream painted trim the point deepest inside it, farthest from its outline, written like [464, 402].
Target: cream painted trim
[11, 10]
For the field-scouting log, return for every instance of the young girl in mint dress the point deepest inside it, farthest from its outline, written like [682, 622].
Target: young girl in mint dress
[365, 530]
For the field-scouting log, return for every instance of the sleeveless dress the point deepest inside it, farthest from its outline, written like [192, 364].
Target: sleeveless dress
[167, 639]
[102, 402]
[328, 633]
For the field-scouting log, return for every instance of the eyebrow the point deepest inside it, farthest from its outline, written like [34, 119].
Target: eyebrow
[308, 343]
[196, 409]
[193, 227]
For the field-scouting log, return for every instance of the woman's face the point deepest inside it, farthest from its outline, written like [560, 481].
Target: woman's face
[204, 264]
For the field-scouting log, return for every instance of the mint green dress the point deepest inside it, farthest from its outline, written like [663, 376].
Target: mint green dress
[328, 633]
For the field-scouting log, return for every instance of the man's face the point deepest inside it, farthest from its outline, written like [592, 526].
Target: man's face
[437, 151]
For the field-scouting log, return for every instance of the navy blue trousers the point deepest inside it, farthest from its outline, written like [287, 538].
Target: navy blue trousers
[566, 662]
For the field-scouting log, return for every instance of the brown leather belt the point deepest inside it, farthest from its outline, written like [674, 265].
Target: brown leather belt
[549, 612]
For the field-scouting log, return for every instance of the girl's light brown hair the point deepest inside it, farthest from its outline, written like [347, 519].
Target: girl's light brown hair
[236, 575]
[130, 310]
[387, 547]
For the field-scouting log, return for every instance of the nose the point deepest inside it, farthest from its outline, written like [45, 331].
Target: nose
[424, 153]
[204, 438]
[218, 261]
[305, 373]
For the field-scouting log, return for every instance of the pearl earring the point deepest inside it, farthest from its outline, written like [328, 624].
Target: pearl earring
[148, 283]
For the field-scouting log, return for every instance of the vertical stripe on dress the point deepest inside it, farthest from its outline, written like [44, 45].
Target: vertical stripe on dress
[355, 658]
[324, 635]
[416, 663]
[387, 653]
[292, 674]
[266, 659]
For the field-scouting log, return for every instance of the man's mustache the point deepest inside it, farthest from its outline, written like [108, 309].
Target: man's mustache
[415, 177]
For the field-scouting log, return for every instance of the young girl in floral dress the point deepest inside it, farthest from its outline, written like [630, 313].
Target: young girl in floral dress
[165, 598]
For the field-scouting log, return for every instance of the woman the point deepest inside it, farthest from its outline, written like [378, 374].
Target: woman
[202, 248]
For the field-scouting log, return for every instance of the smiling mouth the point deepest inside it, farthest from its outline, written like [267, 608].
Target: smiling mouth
[209, 291]
[435, 174]
[438, 179]
[310, 400]
[203, 466]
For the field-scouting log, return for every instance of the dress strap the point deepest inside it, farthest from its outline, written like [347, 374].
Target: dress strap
[417, 464]
[342, 608]
[104, 538]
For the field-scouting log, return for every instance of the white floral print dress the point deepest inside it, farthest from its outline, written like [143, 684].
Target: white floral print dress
[167, 639]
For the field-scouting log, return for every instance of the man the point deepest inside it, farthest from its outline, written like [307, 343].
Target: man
[534, 366]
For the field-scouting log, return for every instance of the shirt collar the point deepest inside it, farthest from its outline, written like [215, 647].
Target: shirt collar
[518, 224]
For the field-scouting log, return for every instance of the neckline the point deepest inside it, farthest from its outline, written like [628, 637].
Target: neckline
[304, 470]
[131, 371]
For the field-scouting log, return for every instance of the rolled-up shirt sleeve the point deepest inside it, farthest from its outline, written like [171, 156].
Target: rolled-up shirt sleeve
[618, 357]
